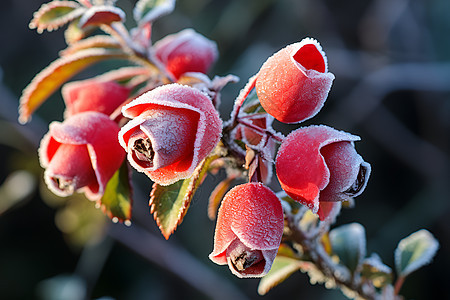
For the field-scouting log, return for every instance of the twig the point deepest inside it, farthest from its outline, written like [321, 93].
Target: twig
[312, 247]
[175, 260]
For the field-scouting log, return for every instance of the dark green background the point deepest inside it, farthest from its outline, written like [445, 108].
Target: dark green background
[394, 53]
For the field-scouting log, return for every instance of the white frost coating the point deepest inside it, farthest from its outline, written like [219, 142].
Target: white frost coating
[86, 17]
[162, 9]
[52, 185]
[355, 238]
[429, 246]
[171, 96]
[309, 41]
[101, 180]
[375, 261]
[197, 41]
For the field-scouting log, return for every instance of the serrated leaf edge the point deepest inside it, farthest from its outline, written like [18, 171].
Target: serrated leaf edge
[84, 20]
[24, 111]
[193, 183]
[46, 7]
[96, 41]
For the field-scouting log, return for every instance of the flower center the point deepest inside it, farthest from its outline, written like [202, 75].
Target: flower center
[66, 185]
[144, 149]
[359, 183]
[242, 257]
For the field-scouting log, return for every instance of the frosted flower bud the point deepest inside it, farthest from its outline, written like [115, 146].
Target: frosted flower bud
[317, 164]
[186, 51]
[93, 95]
[81, 154]
[248, 230]
[173, 128]
[293, 84]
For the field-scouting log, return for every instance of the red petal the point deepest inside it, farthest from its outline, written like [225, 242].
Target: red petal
[186, 51]
[300, 167]
[310, 58]
[287, 91]
[253, 212]
[70, 164]
[92, 95]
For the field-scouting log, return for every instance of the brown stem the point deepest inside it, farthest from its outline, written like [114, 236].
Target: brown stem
[261, 130]
[312, 248]
[398, 284]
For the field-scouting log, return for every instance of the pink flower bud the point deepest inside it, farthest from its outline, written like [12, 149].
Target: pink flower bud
[93, 95]
[173, 128]
[248, 230]
[319, 164]
[186, 51]
[81, 154]
[293, 84]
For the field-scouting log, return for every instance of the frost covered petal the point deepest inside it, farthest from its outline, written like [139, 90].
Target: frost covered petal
[173, 128]
[318, 164]
[186, 51]
[293, 84]
[248, 230]
[81, 154]
[93, 95]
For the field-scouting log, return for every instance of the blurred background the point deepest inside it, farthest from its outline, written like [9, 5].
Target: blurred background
[391, 59]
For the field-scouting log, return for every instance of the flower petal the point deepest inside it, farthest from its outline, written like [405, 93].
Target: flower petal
[293, 84]
[301, 168]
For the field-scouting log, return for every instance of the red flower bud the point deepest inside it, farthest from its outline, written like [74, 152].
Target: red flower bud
[173, 128]
[318, 164]
[248, 230]
[93, 95]
[186, 51]
[293, 84]
[81, 154]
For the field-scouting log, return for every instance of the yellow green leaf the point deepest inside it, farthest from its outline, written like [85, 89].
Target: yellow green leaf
[116, 201]
[96, 41]
[54, 14]
[57, 73]
[216, 196]
[169, 204]
[282, 268]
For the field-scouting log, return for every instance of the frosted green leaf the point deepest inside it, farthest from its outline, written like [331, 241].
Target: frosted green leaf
[376, 271]
[415, 251]
[55, 14]
[147, 11]
[169, 204]
[349, 244]
[282, 268]
[116, 201]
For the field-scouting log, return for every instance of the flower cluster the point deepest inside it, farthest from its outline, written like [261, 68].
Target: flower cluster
[162, 116]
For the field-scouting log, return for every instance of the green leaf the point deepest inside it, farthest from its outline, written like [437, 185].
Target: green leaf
[57, 73]
[147, 11]
[55, 14]
[415, 251]
[349, 244]
[282, 268]
[169, 204]
[376, 271]
[116, 201]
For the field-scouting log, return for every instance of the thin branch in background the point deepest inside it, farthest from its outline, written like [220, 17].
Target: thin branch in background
[417, 153]
[176, 261]
[373, 88]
